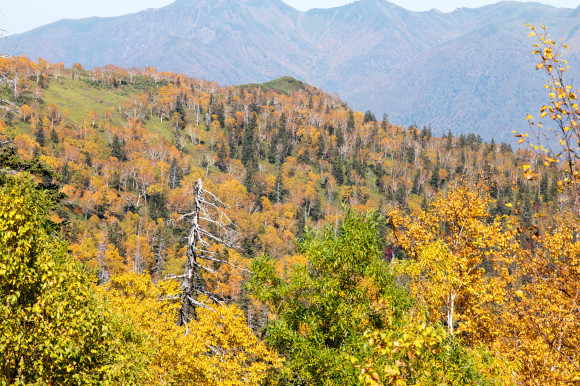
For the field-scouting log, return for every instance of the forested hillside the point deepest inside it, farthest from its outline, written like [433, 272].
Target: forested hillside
[328, 246]
[130, 144]
[466, 70]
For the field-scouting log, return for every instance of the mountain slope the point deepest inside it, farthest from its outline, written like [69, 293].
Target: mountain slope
[465, 70]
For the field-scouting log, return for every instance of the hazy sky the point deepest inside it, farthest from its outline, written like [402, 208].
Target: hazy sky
[18, 16]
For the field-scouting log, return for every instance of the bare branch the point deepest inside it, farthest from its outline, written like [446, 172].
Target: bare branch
[203, 267]
[225, 262]
[215, 198]
[199, 304]
[203, 251]
[211, 296]
[219, 224]
[172, 277]
[9, 106]
[216, 238]
[221, 212]
[174, 297]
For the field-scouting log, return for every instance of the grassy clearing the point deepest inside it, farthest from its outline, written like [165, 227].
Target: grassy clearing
[284, 85]
[80, 99]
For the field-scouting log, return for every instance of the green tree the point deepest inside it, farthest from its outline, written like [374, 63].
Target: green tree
[337, 169]
[322, 310]
[350, 122]
[248, 144]
[117, 149]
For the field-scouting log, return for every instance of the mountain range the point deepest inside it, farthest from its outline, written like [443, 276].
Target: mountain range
[469, 70]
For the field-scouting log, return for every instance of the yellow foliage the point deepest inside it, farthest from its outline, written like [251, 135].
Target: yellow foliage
[216, 349]
[453, 250]
[543, 318]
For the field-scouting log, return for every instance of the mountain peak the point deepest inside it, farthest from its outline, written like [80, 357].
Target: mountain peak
[219, 3]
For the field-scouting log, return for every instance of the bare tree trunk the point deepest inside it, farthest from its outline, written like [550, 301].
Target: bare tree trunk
[450, 312]
[103, 275]
[159, 259]
[138, 263]
[190, 263]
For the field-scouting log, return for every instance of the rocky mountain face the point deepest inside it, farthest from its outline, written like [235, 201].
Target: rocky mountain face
[469, 70]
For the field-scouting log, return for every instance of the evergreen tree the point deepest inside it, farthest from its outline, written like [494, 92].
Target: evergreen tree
[272, 151]
[157, 208]
[401, 194]
[301, 223]
[350, 122]
[410, 155]
[413, 129]
[115, 182]
[39, 135]
[384, 122]
[117, 148]
[280, 188]
[369, 117]
[88, 158]
[282, 133]
[54, 136]
[337, 170]
[339, 137]
[449, 144]
[416, 185]
[435, 180]
[179, 109]
[320, 152]
[426, 134]
[65, 174]
[527, 213]
[248, 143]
[462, 141]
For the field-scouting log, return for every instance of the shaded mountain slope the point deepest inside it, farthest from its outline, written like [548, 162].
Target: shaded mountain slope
[465, 70]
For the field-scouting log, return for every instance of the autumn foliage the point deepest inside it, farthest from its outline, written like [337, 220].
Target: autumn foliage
[355, 251]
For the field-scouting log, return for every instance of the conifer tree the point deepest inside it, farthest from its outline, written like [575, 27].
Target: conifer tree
[116, 148]
[339, 137]
[435, 180]
[350, 122]
[54, 136]
[248, 143]
[39, 135]
[449, 143]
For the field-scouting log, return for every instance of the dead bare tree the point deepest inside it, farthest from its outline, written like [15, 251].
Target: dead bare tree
[5, 140]
[8, 105]
[208, 212]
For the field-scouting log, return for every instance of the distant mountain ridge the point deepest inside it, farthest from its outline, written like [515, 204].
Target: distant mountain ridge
[467, 70]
